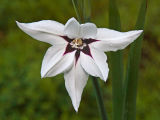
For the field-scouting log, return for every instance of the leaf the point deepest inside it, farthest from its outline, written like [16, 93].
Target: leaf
[133, 68]
[77, 10]
[116, 62]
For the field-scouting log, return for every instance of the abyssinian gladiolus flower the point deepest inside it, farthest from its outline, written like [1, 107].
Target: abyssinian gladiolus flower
[77, 51]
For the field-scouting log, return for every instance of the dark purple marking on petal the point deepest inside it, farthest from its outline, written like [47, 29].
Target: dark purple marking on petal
[77, 54]
[69, 49]
[86, 50]
[90, 40]
[67, 39]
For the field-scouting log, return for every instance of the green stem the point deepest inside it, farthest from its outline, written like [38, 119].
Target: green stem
[99, 98]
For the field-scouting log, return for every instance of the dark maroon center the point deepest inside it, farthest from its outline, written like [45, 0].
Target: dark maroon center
[85, 49]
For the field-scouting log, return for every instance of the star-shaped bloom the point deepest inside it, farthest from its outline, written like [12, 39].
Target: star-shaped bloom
[77, 51]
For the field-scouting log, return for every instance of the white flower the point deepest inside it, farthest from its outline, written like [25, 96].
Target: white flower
[77, 51]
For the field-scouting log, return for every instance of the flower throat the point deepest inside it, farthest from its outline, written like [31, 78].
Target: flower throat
[78, 43]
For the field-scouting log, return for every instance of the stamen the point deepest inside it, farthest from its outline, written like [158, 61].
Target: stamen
[78, 43]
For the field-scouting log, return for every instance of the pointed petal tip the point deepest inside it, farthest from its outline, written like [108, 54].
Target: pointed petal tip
[105, 80]
[76, 108]
[72, 18]
[19, 24]
[139, 31]
[43, 76]
[16, 21]
[105, 76]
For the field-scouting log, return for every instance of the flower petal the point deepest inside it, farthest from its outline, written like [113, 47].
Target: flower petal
[88, 30]
[72, 28]
[100, 59]
[45, 30]
[90, 66]
[111, 40]
[55, 63]
[75, 81]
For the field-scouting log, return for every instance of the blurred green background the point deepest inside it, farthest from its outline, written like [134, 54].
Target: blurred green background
[25, 96]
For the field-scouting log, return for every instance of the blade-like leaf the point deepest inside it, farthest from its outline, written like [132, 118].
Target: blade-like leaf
[116, 64]
[76, 8]
[133, 67]
[86, 10]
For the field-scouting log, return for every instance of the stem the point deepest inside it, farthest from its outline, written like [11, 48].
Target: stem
[99, 98]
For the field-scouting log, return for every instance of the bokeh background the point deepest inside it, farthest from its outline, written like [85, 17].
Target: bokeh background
[25, 96]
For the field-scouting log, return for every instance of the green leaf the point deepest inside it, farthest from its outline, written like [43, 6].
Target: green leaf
[133, 67]
[77, 10]
[116, 64]
[86, 10]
